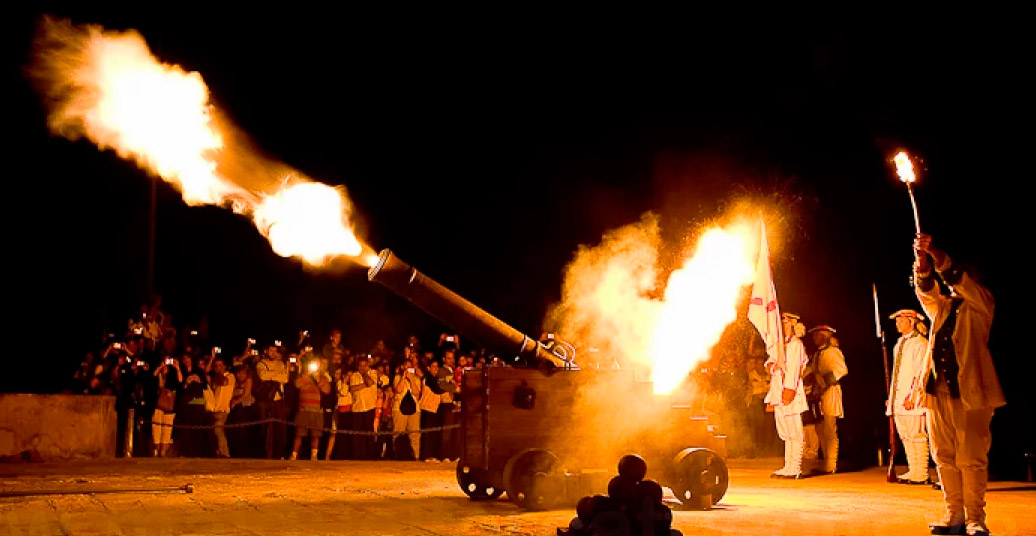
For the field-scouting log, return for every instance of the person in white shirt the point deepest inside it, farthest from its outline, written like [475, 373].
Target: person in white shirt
[222, 384]
[408, 384]
[907, 373]
[269, 394]
[363, 386]
[787, 398]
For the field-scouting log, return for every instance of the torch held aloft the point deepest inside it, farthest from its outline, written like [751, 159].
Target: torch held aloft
[913, 205]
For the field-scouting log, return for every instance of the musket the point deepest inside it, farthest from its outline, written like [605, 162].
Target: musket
[891, 475]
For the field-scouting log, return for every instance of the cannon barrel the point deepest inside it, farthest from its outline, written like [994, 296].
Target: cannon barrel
[458, 313]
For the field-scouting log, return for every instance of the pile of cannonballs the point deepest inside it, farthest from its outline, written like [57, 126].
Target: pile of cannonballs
[633, 506]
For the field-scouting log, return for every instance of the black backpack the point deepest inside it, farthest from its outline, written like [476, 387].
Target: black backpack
[408, 405]
[267, 390]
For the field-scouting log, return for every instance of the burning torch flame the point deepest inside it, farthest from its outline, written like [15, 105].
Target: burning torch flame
[904, 167]
[905, 170]
[108, 87]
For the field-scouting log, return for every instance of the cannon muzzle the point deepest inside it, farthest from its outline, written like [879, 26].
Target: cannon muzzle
[458, 313]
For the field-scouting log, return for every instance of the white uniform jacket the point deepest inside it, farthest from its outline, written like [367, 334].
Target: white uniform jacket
[788, 377]
[908, 369]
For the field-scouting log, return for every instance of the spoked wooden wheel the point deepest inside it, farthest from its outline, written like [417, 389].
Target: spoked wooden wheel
[532, 479]
[698, 472]
[475, 483]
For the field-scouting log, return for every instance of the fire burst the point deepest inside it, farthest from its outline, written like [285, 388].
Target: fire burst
[700, 301]
[108, 87]
[607, 298]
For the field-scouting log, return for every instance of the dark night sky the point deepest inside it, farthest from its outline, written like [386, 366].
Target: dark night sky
[485, 152]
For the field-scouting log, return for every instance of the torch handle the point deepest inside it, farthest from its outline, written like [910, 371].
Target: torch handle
[913, 205]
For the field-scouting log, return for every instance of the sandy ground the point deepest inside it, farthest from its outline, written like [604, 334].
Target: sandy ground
[260, 497]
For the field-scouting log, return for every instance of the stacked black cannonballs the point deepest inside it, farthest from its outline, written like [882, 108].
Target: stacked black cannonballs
[633, 506]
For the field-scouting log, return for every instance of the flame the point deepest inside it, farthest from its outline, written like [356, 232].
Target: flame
[609, 299]
[108, 87]
[904, 167]
[699, 303]
[307, 220]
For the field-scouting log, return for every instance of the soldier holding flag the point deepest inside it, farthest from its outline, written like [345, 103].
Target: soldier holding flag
[786, 359]
[787, 397]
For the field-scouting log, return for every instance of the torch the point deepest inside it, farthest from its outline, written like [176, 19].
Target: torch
[905, 170]
[891, 476]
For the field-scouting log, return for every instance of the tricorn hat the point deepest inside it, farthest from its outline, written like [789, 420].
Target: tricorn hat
[823, 327]
[909, 313]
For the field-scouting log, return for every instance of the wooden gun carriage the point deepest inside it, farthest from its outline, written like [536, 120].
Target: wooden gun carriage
[550, 434]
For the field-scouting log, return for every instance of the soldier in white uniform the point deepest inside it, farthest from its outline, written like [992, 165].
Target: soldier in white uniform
[787, 399]
[907, 376]
[830, 369]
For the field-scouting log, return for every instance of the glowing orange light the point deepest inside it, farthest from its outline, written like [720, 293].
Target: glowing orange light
[108, 87]
[904, 167]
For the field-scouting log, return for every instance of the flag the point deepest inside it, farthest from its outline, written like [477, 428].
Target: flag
[763, 311]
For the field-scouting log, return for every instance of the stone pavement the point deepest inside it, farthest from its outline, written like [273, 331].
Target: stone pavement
[261, 497]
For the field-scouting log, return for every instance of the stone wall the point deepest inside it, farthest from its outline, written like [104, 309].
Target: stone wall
[57, 427]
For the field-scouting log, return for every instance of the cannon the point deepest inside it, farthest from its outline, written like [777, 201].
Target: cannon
[550, 433]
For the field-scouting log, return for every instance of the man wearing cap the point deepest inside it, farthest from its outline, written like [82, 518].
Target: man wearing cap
[961, 388]
[786, 397]
[830, 369]
[907, 374]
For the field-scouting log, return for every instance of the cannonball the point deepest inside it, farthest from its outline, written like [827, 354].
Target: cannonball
[589, 507]
[585, 509]
[633, 466]
[649, 489]
[663, 519]
[622, 488]
[610, 524]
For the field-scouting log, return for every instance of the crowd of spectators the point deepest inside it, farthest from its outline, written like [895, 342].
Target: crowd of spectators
[177, 395]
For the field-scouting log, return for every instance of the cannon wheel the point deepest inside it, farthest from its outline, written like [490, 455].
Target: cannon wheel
[474, 482]
[694, 470]
[531, 478]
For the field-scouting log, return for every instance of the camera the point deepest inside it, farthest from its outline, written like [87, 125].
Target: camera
[307, 349]
[411, 370]
[217, 350]
[450, 338]
[169, 361]
[314, 366]
[277, 343]
[117, 345]
[305, 333]
[292, 360]
[138, 331]
[194, 332]
[140, 363]
[251, 341]
[254, 352]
